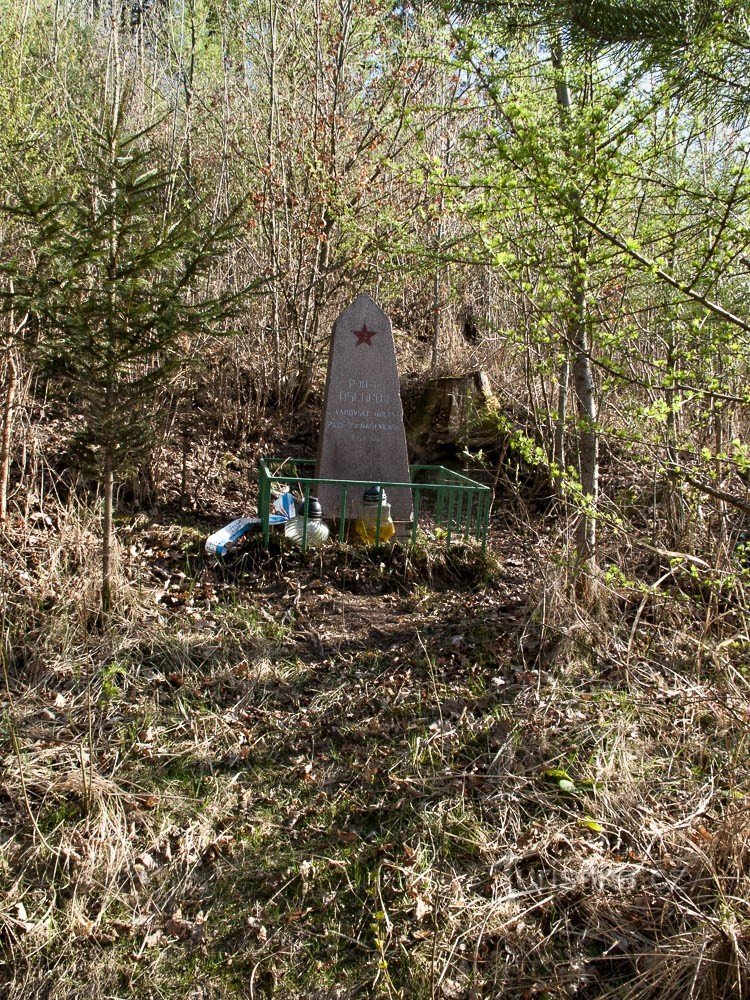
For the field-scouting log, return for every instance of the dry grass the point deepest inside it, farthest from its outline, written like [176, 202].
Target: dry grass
[404, 783]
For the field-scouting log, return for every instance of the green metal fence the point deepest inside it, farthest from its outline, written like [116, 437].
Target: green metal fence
[458, 507]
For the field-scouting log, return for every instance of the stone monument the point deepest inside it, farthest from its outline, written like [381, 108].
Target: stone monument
[362, 430]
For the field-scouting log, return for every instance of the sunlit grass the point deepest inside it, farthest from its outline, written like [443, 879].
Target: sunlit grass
[220, 797]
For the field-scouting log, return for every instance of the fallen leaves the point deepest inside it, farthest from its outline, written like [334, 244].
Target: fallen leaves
[269, 789]
[347, 836]
[185, 930]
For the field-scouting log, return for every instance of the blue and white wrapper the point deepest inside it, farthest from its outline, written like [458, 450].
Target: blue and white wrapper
[228, 537]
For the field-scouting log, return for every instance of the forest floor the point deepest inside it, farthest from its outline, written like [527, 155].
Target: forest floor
[397, 773]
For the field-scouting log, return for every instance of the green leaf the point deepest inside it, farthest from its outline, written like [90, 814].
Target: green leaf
[592, 824]
[556, 773]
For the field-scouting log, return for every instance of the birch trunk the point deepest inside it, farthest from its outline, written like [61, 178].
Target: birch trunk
[588, 440]
[578, 343]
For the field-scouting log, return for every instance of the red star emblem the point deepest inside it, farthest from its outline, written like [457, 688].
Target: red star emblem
[364, 336]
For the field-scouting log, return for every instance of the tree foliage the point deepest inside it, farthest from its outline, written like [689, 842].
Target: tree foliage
[112, 280]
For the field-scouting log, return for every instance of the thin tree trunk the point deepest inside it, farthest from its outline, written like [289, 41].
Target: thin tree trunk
[437, 303]
[579, 345]
[673, 487]
[588, 439]
[564, 102]
[109, 482]
[558, 454]
[5, 442]
[436, 311]
[273, 226]
[108, 465]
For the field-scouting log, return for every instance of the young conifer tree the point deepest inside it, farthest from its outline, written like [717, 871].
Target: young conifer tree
[120, 283]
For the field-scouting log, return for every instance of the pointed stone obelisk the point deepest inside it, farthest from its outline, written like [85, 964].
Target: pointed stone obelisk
[362, 430]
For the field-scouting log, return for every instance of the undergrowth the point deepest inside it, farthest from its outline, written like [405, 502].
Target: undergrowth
[396, 774]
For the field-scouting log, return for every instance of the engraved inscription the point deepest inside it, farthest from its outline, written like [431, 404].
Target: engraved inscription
[355, 404]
